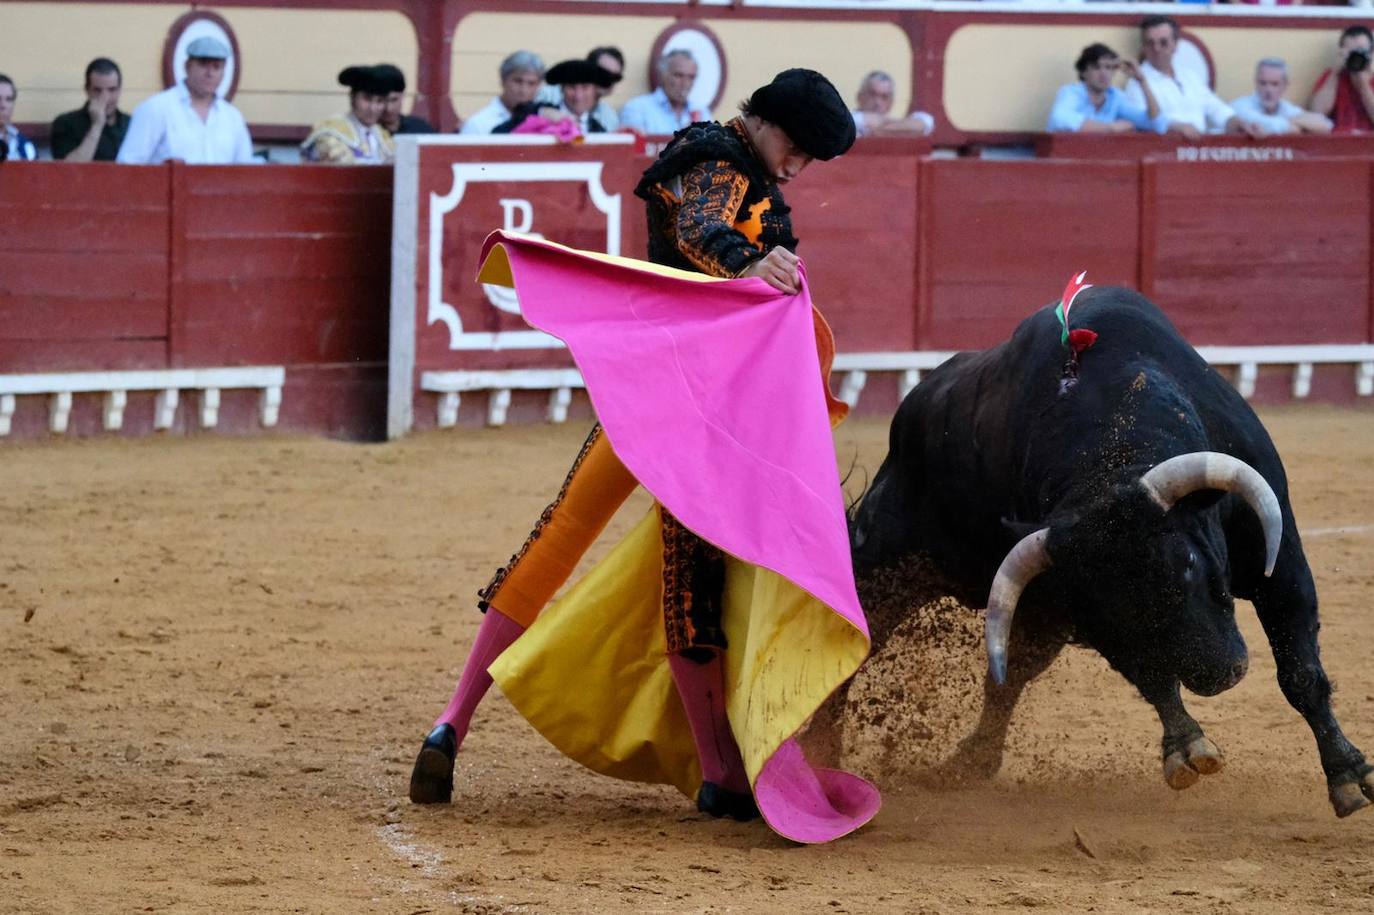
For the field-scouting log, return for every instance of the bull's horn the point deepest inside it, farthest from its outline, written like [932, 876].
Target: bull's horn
[1025, 561]
[1178, 476]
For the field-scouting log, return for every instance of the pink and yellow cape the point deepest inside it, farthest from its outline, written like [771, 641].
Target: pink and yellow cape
[706, 391]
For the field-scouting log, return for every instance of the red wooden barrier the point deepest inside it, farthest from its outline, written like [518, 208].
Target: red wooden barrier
[1264, 253]
[280, 265]
[860, 247]
[1000, 239]
[83, 267]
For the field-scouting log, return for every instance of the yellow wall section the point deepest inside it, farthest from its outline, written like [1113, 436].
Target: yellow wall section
[754, 52]
[291, 57]
[1236, 51]
[843, 51]
[44, 48]
[1004, 77]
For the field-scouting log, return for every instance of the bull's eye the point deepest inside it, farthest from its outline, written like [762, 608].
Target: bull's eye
[1190, 566]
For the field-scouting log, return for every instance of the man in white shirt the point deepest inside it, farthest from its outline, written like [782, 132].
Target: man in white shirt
[666, 110]
[1267, 107]
[521, 74]
[1185, 100]
[190, 122]
[873, 117]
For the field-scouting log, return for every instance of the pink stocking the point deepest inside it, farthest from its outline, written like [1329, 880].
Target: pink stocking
[495, 635]
[702, 690]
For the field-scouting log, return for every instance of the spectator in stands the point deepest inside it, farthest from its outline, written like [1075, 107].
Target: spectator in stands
[873, 116]
[578, 79]
[1345, 93]
[613, 62]
[190, 122]
[392, 119]
[13, 144]
[1094, 105]
[356, 138]
[1185, 100]
[521, 74]
[1267, 107]
[666, 110]
[93, 132]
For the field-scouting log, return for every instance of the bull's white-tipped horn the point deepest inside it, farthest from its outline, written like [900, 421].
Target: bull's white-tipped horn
[1178, 476]
[1025, 561]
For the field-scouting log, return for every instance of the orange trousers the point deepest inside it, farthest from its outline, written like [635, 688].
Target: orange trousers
[596, 486]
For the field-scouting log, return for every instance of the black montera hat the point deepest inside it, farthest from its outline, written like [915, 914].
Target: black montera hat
[393, 80]
[372, 80]
[580, 71]
[809, 109]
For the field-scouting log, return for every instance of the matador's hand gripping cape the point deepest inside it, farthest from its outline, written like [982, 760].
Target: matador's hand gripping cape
[710, 393]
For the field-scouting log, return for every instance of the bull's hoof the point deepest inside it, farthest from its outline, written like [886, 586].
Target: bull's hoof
[1178, 773]
[431, 781]
[1182, 768]
[1349, 796]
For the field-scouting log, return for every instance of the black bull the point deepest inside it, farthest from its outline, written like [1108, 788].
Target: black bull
[1017, 468]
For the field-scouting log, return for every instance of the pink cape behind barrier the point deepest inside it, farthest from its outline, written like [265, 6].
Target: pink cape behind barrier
[711, 395]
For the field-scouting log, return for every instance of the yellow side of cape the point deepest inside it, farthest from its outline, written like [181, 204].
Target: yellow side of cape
[592, 676]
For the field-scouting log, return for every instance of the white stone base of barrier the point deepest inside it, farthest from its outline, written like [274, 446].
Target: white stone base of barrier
[168, 383]
[853, 370]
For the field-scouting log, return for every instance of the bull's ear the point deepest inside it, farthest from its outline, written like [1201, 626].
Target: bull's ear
[1020, 529]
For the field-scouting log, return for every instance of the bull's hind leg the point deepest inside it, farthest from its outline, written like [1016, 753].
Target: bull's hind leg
[979, 755]
[1287, 608]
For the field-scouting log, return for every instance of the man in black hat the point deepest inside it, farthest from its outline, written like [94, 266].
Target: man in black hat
[715, 206]
[392, 119]
[579, 81]
[357, 137]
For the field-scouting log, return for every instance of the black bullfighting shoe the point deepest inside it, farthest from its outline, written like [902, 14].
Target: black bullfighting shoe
[431, 781]
[718, 802]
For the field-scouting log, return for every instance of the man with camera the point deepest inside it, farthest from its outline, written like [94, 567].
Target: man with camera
[1345, 93]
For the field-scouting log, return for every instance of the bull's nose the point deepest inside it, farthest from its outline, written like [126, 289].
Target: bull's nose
[1219, 680]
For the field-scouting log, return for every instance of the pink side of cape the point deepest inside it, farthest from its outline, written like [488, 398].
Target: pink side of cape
[711, 395]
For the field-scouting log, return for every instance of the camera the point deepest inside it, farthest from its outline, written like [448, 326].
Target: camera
[1356, 61]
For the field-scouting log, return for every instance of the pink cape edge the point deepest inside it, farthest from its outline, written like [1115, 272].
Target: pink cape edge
[697, 387]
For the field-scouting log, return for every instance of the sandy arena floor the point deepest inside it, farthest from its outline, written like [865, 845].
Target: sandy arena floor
[218, 658]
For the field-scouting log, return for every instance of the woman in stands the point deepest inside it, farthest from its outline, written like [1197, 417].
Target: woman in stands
[715, 207]
[358, 137]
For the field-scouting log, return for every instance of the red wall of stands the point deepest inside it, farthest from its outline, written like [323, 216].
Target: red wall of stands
[107, 267]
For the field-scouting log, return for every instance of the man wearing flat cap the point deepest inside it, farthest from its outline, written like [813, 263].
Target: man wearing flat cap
[579, 81]
[715, 206]
[190, 122]
[357, 137]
